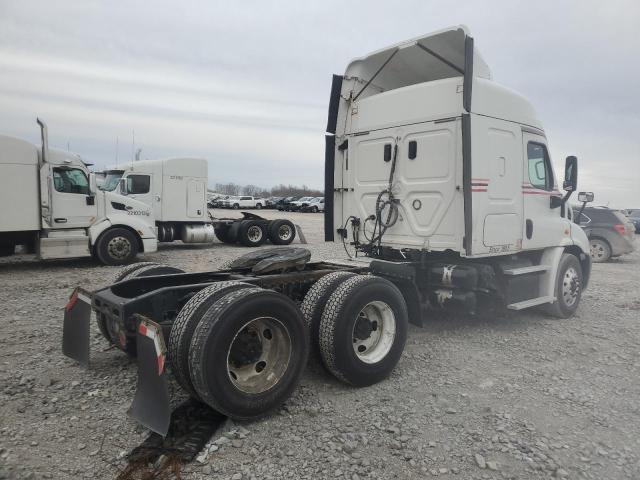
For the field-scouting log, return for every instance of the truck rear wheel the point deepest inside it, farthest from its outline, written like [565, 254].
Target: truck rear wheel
[252, 233]
[185, 324]
[142, 269]
[225, 234]
[281, 232]
[363, 330]
[116, 246]
[248, 352]
[125, 271]
[568, 289]
[315, 301]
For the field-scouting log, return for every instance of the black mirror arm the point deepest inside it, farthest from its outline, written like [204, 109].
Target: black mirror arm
[584, 204]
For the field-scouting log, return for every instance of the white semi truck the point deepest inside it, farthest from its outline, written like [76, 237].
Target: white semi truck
[437, 178]
[176, 191]
[50, 204]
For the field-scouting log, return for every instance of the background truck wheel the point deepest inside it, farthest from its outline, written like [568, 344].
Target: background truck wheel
[315, 301]
[225, 234]
[185, 324]
[142, 269]
[117, 246]
[236, 206]
[600, 250]
[248, 352]
[258, 206]
[363, 330]
[251, 233]
[568, 290]
[281, 232]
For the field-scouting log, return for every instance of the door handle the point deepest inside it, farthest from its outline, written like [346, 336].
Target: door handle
[128, 207]
[60, 220]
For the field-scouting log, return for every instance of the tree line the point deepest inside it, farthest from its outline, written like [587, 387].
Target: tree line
[281, 190]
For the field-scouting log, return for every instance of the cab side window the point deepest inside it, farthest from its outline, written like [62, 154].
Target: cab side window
[138, 184]
[540, 173]
[70, 180]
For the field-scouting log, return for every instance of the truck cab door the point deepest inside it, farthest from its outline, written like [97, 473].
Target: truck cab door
[138, 187]
[72, 205]
[543, 226]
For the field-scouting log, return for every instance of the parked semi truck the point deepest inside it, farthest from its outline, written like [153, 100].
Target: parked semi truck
[52, 205]
[176, 191]
[438, 182]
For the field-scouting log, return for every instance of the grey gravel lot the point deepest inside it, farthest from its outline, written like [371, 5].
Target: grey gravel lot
[519, 396]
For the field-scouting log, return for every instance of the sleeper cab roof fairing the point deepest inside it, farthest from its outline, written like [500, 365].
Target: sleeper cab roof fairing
[433, 56]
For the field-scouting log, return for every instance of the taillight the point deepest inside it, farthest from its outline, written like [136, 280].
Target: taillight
[620, 229]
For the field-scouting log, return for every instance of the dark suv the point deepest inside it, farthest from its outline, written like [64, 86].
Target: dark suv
[634, 217]
[610, 232]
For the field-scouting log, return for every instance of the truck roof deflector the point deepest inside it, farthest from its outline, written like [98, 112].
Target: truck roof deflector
[434, 56]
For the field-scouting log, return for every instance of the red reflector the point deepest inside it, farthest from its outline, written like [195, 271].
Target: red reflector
[620, 229]
[73, 299]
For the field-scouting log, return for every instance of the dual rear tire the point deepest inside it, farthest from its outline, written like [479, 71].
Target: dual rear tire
[238, 348]
[360, 323]
[242, 349]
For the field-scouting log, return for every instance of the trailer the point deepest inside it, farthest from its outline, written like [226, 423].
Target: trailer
[440, 187]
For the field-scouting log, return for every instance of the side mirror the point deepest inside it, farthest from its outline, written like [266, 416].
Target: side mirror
[123, 186]
[92, 184]
[570, 174]
[585, 197]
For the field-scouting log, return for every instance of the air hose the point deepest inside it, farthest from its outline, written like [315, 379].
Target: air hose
[382, 203]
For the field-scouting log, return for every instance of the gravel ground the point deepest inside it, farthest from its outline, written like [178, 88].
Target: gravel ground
[521, 396]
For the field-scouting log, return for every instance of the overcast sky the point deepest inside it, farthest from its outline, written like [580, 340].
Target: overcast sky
[246, 84]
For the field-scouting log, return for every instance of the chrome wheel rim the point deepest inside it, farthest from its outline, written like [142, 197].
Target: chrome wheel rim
[374, 332]
[119, 247]
[570, 286]
[284, 232]
[254, 233]
[259, 355]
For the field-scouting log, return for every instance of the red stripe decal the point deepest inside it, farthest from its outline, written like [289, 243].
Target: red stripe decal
[143, 329]
[478, 189]
[479, 179]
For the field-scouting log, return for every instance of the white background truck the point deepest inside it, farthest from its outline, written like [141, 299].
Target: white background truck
[50, 204]
[436, 176]
[175, 189]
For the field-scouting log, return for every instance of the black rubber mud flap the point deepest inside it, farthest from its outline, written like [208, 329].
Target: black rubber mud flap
[150, 405]
[75, 329]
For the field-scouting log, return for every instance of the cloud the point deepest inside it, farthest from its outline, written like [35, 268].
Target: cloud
[246, 84]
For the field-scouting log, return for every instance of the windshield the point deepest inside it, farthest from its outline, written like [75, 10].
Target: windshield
[111, 181]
